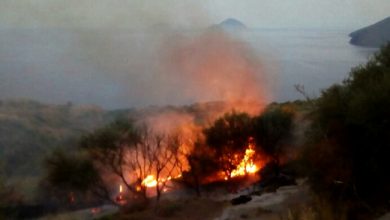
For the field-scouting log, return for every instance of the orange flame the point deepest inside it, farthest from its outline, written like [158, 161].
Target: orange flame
[119, 198]
[246, 166]
[149, 181]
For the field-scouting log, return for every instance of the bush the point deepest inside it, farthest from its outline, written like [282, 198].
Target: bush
[272, 130]
[350, 136]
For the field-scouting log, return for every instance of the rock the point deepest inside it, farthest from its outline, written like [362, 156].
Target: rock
[241, 200]
[272, 178]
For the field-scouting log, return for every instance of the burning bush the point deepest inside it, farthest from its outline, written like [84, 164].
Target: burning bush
[120, 154]
[133, 158]
[228, 137]
[243, 144]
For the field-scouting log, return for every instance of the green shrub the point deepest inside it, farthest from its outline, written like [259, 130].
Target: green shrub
[350, 137]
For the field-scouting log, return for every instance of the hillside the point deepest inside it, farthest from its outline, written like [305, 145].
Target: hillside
[374, 35]
[30, 130]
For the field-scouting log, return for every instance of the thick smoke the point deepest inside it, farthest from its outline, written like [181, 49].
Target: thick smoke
[122, 68]
[215, 66]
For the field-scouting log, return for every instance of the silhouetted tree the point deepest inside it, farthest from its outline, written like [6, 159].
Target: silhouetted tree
[202, 165]
[120, 149]
[74, 174]
[272, 130]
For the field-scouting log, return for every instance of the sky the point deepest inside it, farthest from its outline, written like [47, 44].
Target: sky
[190, 13]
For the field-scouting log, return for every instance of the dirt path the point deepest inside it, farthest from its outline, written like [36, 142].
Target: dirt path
[268, 206]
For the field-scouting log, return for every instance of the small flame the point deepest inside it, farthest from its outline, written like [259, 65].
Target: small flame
[119, 198]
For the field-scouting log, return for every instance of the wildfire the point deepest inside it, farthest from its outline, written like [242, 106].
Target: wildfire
[246, 166]
[150, 181]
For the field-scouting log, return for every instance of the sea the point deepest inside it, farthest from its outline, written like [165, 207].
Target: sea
[111, 68]
[312, 58]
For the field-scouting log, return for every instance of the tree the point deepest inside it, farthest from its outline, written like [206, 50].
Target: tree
[228, 137]
[122, 152]
[272, 129]
[202, 165]
[166, 158]
[352, 125]
[118, 149]
[75, 174]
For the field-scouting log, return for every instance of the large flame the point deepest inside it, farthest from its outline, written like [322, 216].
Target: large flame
[247, 164]
[150, 181]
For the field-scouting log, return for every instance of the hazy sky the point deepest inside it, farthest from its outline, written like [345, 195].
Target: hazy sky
[191, 13]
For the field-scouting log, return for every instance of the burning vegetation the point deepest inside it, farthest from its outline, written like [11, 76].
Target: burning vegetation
[143, 163]
[163, 152]
[129, 160]
[247, 165]
[237, 144]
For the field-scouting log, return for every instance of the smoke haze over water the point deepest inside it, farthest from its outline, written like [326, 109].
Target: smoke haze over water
[89, 54]
[126, 68]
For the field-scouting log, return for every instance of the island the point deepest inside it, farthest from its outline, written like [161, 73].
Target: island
[375, 35]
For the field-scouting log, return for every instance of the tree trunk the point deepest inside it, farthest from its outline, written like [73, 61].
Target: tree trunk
[158, 192]
[197, 187]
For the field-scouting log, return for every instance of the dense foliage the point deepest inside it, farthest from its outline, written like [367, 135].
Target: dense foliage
[350, 135]
[273, 129]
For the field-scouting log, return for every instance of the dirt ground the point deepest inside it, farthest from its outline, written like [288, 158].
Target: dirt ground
[268, 206]
[188, 209]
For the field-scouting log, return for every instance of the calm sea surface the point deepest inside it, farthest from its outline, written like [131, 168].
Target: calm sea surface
[315, 59]
[113, 68]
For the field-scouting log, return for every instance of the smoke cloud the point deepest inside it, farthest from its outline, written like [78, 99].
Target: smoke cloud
[120, 68]
[216, 66]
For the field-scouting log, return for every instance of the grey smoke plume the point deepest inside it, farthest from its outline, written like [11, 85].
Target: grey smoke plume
[63, 60]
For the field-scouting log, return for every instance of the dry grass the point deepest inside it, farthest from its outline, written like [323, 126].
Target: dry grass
[66, 216]
[317, 209]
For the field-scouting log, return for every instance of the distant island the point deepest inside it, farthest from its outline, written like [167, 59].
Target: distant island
[374, 35]
[230, 24]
